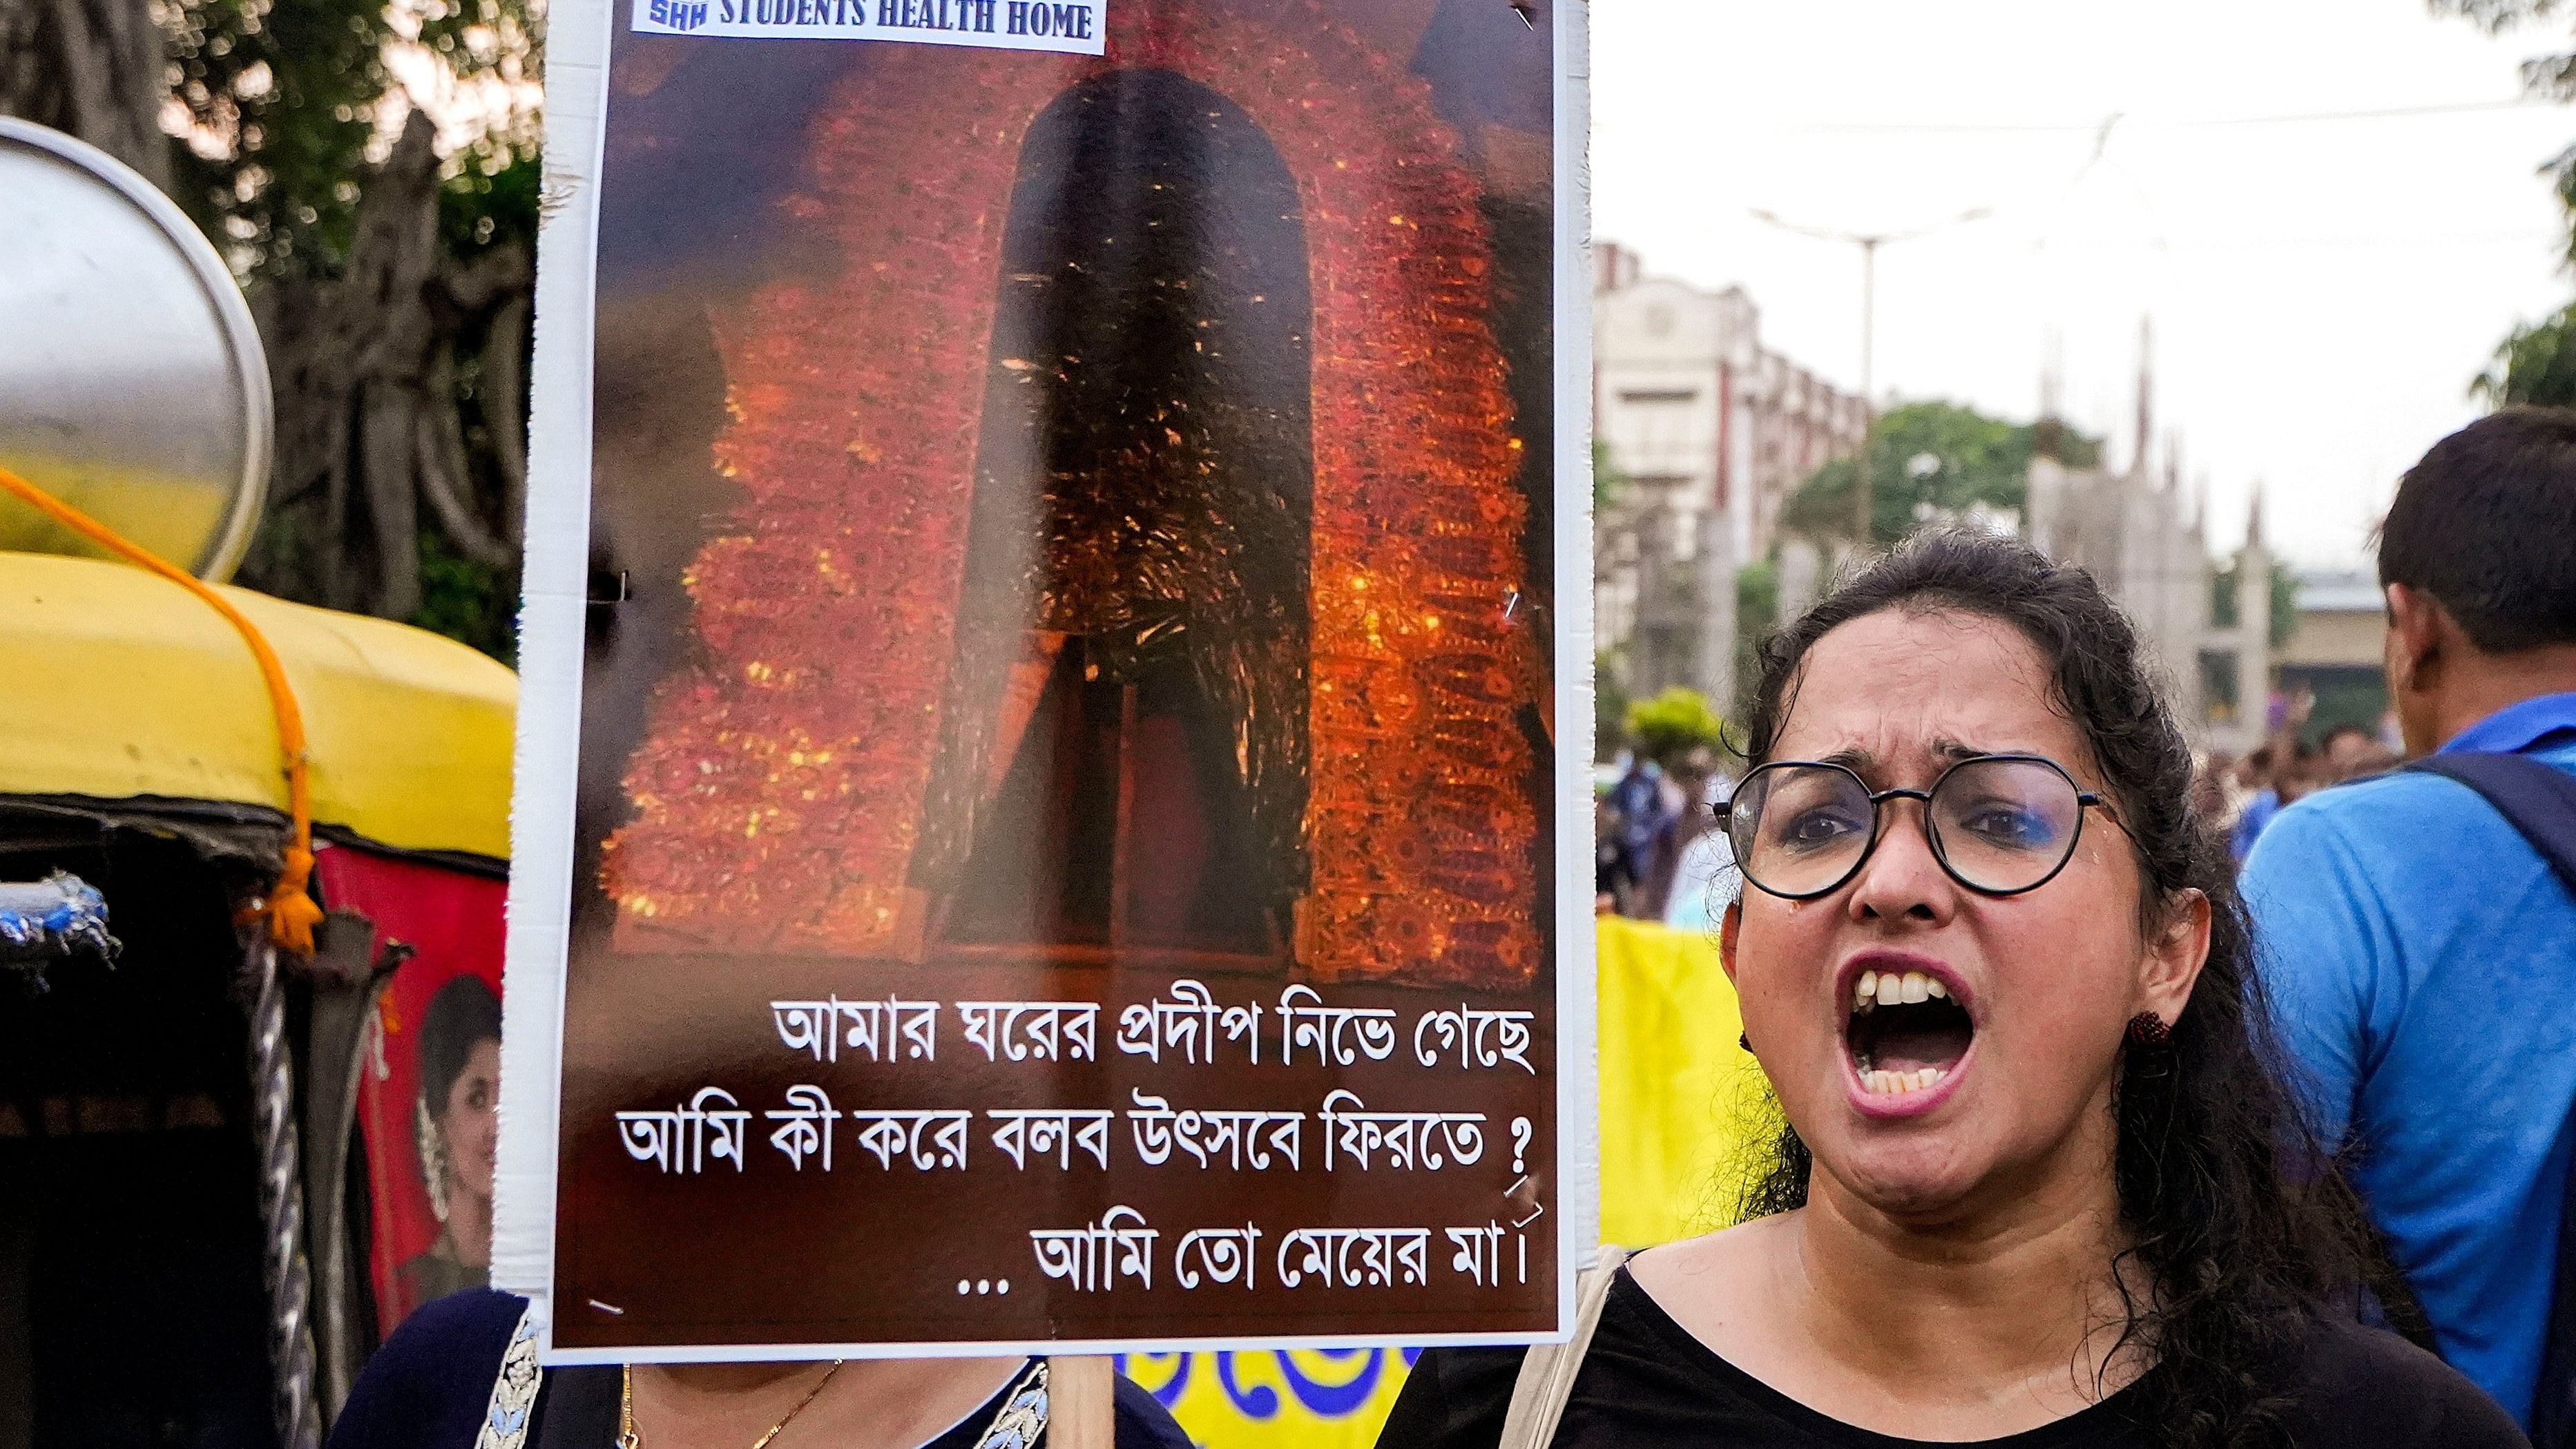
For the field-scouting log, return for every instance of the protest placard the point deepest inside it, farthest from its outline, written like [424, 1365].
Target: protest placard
[1053, 804]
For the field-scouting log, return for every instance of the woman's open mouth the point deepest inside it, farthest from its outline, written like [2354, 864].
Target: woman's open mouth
[1906, 1032]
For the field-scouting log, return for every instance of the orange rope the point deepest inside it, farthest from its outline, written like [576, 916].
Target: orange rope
[290, 910]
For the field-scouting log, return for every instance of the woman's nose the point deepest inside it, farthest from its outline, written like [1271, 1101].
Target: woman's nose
[1903, 879]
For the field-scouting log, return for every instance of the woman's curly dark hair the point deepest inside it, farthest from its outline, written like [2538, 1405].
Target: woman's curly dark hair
[2245, 1231]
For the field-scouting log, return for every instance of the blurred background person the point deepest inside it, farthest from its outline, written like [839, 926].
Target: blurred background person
[1640, 808]
[2351, 752]
[2420, 945]
[2211, 792]
[1701, 878]
[2277, 772]
[2258, 780]
[1687, 821]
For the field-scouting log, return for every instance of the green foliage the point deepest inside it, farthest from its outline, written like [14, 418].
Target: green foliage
[1672, 724]
[283, 98]
[2536, 362]
[2536, 365]
[290, 104]
[2056, 438]
[469, 602]
[2548, 75]
[1757, 613]
[2285, 606]
[2285, 600]
[491, 201]
[1929, 461]
[1609, 480]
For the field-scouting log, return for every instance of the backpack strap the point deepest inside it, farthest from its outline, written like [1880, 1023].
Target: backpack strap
[2539, 800]
[1547, 1372]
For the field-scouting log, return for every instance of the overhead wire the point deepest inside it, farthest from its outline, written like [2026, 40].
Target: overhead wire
[2149, 123]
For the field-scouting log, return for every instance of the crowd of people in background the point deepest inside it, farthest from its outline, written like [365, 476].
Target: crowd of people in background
[2294, 761]
[1659, 854]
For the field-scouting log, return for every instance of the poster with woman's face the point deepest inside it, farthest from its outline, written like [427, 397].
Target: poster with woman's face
[1066, 810]
[429, 1082]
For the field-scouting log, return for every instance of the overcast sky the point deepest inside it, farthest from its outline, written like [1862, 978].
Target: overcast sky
[2322, 291]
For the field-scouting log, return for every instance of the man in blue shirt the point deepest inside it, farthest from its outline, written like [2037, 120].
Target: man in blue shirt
[2420, 954]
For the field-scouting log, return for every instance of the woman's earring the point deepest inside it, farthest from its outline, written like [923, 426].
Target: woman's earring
[2148, 1030]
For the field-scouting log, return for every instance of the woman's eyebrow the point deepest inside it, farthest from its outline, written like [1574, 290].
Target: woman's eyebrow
[1859, 761]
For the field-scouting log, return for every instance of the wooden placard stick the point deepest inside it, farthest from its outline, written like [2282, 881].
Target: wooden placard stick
[1082, 1402]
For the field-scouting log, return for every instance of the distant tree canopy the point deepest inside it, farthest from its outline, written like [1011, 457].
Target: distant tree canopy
[1757, 613]
[2550, 75]
[1609, 480]
[2284, 600]
[283, 99]
[1931, 460]
[1669, 726]
[2536, 362]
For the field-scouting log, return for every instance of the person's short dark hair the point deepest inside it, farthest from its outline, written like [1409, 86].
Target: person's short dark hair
[2486, 524]
[461, 1014]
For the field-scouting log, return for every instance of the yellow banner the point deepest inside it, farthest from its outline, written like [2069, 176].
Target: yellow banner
[1679, 1108]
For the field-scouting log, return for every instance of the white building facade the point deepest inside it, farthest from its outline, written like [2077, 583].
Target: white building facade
[2145, 540]
[1713, 432]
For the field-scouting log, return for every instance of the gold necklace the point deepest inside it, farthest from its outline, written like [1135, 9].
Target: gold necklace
[627, 1438]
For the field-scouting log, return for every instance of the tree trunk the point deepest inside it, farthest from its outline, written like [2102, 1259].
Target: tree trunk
[95, 69]
[369, 424]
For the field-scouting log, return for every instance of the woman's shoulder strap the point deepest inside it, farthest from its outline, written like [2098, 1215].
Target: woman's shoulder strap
[1547, 1373]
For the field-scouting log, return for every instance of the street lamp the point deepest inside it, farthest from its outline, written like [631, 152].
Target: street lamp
[1869, 243]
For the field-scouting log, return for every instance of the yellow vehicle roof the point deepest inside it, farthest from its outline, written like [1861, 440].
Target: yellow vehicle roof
[115, 684]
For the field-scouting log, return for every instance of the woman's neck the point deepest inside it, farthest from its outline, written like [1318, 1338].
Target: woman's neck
[867, 1404]
[1996, 1319]
[469, 1227]
[2022, 1294]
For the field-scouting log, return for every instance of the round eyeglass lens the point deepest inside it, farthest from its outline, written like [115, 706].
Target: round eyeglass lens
[1798, 830]
[2005, 825]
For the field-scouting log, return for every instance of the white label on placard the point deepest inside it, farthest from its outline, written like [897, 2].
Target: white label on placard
[1077, 27]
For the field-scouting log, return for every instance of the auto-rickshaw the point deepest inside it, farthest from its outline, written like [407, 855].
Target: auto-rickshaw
[244, 844]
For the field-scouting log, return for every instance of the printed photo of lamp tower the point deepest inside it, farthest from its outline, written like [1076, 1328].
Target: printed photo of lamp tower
[1135, 554]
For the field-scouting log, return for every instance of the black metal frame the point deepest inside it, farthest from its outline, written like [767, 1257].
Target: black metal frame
[2084, 800]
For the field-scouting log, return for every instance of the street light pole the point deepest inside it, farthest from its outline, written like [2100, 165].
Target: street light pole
[1869, 243]
[1861, 480]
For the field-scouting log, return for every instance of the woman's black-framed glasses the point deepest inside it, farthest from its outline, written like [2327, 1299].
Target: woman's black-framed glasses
[1999, 824]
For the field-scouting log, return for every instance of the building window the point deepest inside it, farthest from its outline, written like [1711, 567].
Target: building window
[1659, 395]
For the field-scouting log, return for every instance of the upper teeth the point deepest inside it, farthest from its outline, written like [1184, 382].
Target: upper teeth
[1893, 989]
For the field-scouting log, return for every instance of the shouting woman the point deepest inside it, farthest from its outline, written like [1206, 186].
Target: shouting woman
[2041, 1182]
